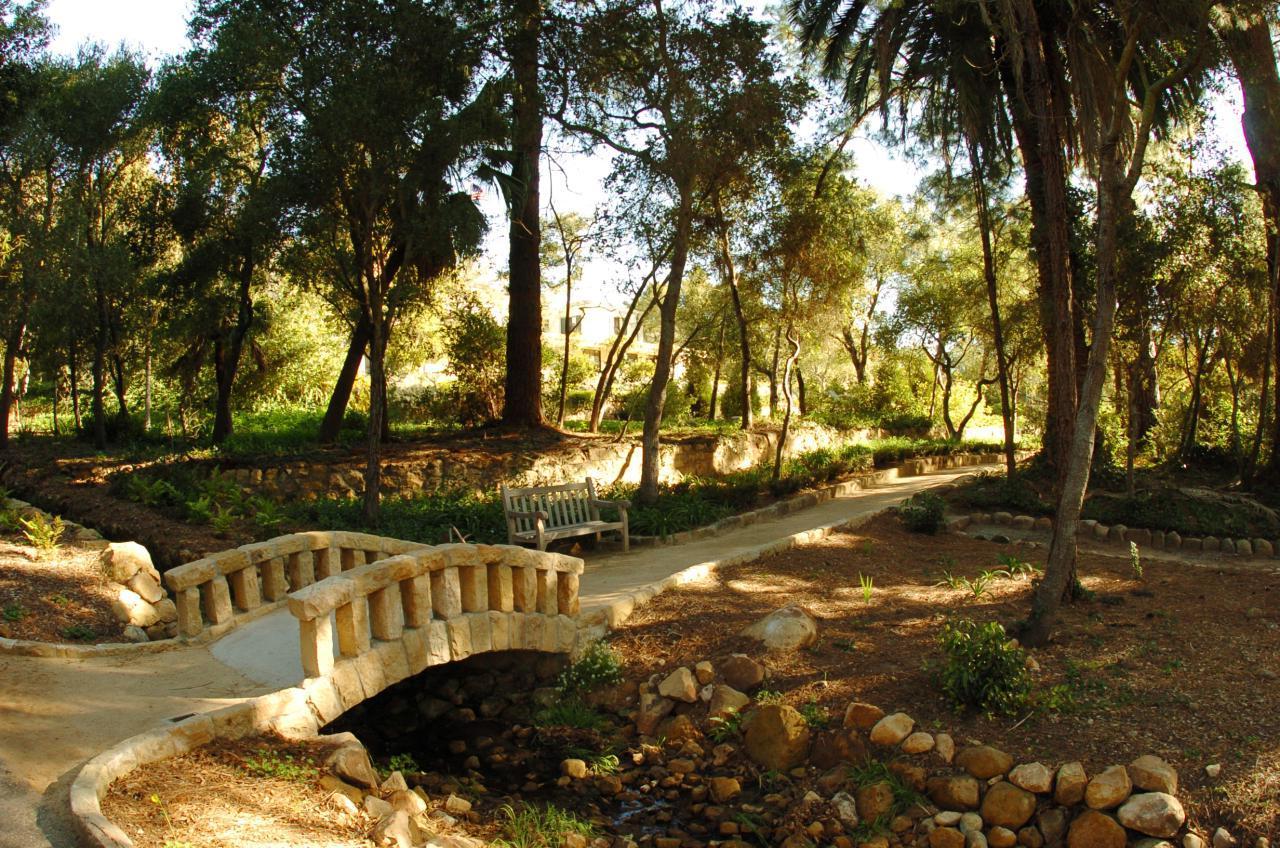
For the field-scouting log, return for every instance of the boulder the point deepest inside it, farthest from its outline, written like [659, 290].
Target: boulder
[396, 829]
[983, 761]
[945, 747]
[874, 799]
[786, 629]
[862, 716]
[724, 789]
[130, 608]
[166, 610]
[680, 685]
[1030, 837]
[146, 586]
[1152, 774]
[1001, 837]
[725, 701]
[1008, 806]
[918, 743]
[1033, 777]
[777, 737]
[653, 709]
[351, 764]
[573, 768]
[1108, 789]
[892, 729]
[679, 729]
[119, 561]
[1069, 788]
[946, 837]
[1092, 829]
[1153, 814]
[134, 633]
[741, 672]
[953, 793]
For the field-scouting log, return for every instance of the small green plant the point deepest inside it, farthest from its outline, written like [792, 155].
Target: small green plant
[15, 612]
[846, 645]
[599, 666]
[78, 632]
[402, 763]
[168, 823]
[43, 532]
[1015, 567]
[604, 763]
[268, 763]
[223, 518]
[868, 585]
[570, 712]
[922, 512]
[1135, 560]
[10, 521]
[59, 600]
[768, 696]
[904, 796]
[981, 669]
[724, 728]
[814, 716]
[540, 827]
[951, 581]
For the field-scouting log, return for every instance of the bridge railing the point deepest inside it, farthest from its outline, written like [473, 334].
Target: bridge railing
[211, 592]
[442, 603]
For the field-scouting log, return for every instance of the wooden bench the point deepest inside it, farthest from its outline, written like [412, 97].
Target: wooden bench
[538, 515]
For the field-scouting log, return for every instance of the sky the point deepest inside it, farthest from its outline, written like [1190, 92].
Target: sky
[157, 28]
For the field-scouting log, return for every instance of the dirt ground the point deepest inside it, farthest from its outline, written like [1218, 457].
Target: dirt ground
[61, 597]
[228, 795]
[1183, 663]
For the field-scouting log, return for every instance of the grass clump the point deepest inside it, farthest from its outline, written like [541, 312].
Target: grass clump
[43, 532]
[540, 827]
[570, 712]
[922, 512]
[981, 669]
[268, 763]
[598, 666]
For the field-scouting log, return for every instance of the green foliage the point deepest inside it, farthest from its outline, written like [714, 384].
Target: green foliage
[426, 518]
[1014, 567]
[268, 763]
[1135, 560]
[994, 491]
[598, 666]
[570, 712]
[43, 532]
[904, 797]
[1189, 513]
[530, 826]
[79, 632]
[15, 612]
[922, 512]
[476, 346]
[401, 762]
[981, 670]
[868, 585]
[725, 728]
[814, 715]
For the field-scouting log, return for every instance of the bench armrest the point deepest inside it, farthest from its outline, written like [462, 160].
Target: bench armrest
[620, 504]
[537, 515]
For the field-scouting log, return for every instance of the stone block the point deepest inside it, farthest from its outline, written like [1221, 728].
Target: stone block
[524, 587]
[446, 593]
[246, 593]
[324, 699]
[535, 627]
[481, 634]
[129, 608]
[234, 722]
[501, 588]
[346, 681]
[566, 634]
[500, 630]
[567, 594]
[372, 677]
[146, 587]
[386, 614]
[474, 582]
[459, 630]
[547, 592]
[272, 573]
[353, 628]
[395, 664]
[216, 599]
[315, 640]
[415, 641]
[1117, 533]
[415, 597]
[300, 568]
[438, 643]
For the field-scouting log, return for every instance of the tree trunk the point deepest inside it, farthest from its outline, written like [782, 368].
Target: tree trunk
[801, 394]
[735, 295]
[650, 440]
[715, 379]
[522, 400]
[331, 426]
[73, 377]
[377, 397]
[786, 392]
[618, 350]
[993, 302]
[226, 361]
[12, 348]
[146, 398]
[100, 374]
[773, 372]
[568, 335]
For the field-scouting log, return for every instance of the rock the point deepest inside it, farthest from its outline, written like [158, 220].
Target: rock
[945, 747]
[725, 701]
[724, 789]
[407, 802]
[1152, 813]
[1213, 770]
[457, 806]
[912, 775]
[1052, 824]
[1008, 805]
[874, 799]
[343, 804]
[334, 786]
[1069, 788]
[846, 807]
[396, 828]
[680, 685]
[1033, 777]
[679, 729]
[777, 737]
[862, 716]
[705, 672]
[1192, 840]
[129, 608]
[1152, 842]
[975, 839]
[946, 837]
[953, 793]
[1152, 774]
[786, 629]
[983, 761]
[1092, 829]
[1002, 837]
[159, 631]
[1108, 789]
[681, 766]
[119, 561]
[1223, 839]
[146, 586]
[394, 783]
[918, 743]
[741, 672]
[574, 768]
[1030, 837]
[134, 633]
[970, 821]
[351, 763]
[653, 709]
[892, 729]
[376, 807]
[166, 611]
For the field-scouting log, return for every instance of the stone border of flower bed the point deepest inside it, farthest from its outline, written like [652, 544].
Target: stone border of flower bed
[907, 468]
[1119, 534]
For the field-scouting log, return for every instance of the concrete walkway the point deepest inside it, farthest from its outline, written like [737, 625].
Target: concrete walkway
[57, 713]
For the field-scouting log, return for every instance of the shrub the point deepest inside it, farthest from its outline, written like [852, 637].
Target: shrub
[598, 666]
[922, 512]
[982, 670]
[43, 532]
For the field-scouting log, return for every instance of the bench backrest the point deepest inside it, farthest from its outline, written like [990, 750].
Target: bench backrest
[565, 505]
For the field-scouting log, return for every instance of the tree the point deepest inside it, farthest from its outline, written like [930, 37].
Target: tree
[572, 235]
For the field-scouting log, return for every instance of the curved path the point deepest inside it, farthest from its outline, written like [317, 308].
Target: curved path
[57, 713]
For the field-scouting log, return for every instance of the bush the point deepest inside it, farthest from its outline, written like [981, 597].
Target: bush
[922, 512]
[993, 491]
[598, 666]
[982, 670]
[426, 518]
[43, 532]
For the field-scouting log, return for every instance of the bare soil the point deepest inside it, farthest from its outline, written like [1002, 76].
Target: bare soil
[58, 597]
[1182, 663]
[262, 791]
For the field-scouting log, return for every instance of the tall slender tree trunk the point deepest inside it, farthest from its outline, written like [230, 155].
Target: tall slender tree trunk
[739, 314]
[12, 345]
[226, 361]
[715, 378]
[146, 397]
[993, 302]
[650, 440]
[773, 372]
[617, 352]
[568, 336]
[331, 426]
[377, 400]
[100, 373]
[792, 356]
[522, 401]
[73, 377]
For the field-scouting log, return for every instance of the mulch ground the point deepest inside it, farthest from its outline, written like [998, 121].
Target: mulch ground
[1183, 663]
[60, 597]
[231, 794]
